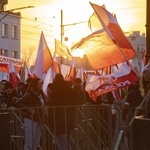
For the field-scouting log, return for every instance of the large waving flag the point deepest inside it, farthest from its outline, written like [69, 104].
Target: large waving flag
[44, 58]
[62, 50]
[107, 45]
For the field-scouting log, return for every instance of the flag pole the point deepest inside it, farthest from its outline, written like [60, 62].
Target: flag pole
[62, 31]
[61, 27]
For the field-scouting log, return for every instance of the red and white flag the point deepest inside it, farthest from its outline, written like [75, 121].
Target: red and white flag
[107, 46]
[28, 73]
[56, 65]
[72, 73]
[44, 58]
[49, 77]
[98, 85]
[14, 77]
[80, 74]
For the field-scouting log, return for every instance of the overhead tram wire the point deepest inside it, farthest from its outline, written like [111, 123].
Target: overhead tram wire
[43, 23]
[38, 21]
[30, 26]
[131, 8]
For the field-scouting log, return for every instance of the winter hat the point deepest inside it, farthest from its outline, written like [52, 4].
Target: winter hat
[8, 85]
[59, 77]
[77, 80]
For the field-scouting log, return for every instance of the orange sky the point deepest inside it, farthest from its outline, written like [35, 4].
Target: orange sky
[45, 16]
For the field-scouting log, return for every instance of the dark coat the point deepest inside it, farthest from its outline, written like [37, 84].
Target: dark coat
[134, 99]
[80, 95]
[62, 119]
[9, 100]
[31, 103]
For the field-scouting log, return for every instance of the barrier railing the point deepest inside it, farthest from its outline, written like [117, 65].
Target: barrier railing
[88, 127]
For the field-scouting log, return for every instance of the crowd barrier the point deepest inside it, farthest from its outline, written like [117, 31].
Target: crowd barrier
[96, 127]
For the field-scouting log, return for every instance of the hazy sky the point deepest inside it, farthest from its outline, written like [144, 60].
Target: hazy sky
[45, 16]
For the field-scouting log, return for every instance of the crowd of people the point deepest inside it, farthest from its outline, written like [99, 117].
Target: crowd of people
[30, 95]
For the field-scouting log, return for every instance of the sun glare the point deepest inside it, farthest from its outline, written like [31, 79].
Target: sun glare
[47, 18]
[78, 53]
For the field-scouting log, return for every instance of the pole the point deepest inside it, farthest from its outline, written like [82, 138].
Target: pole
[147, 31]
[61, 27]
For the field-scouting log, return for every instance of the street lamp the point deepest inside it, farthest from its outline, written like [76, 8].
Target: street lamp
[11, 10]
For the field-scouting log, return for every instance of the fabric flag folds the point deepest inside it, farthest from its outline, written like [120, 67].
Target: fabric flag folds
[81, 74]
[62, 50]
[44, 58]
[107, 45]
[98, 85]
[14, 77]
[56, 65]
[49, 77]
[72, 73]
[27, 72]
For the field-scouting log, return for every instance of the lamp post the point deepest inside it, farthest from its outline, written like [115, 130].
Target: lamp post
[65, 25]
[11, 10]
[62, 27]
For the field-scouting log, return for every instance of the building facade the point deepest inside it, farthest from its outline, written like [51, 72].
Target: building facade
[138, 41]
[9, 39]
[10, 34]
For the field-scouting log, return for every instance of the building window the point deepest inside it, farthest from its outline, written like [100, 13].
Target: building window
[14, 54]
[4, 52]
[133, 38]
[138, 49]
[14, 31]
[4, 30]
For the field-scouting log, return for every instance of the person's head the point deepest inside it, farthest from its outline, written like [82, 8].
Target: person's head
[50, 88]
[8, 88]
[77, 82]
[2, 83]
[36, 84]
[59, 77]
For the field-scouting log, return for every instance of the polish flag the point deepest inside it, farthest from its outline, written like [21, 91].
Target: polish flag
[72, 73]
[80, 74]
[27, 72]
[121, 78]
[49, 78]
[107, 45]
[44, 58]
[14, 77]
[56, 65]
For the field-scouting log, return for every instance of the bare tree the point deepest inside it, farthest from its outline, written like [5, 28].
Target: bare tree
[28, 58]
[27, 55]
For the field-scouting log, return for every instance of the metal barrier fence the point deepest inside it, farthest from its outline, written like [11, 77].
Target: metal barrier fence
[89, 127]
